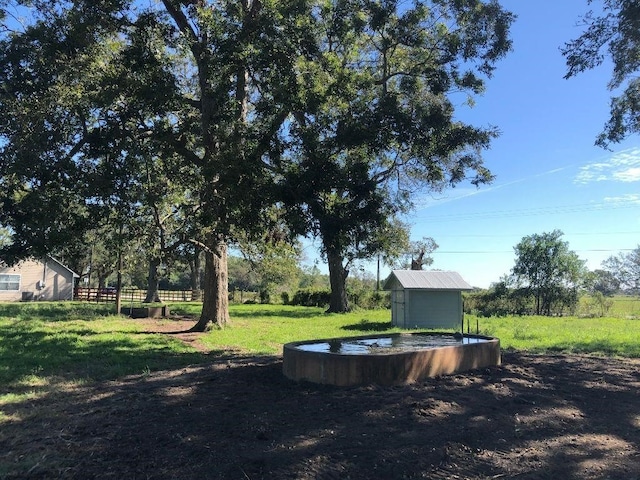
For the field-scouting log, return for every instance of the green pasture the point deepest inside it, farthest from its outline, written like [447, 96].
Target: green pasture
[263, 329]
[620, 306]
[48, 346]
[608, 336]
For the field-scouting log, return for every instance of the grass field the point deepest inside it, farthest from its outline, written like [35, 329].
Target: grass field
[44, 346]
[263, 329]
[600, 336]
[622, 306]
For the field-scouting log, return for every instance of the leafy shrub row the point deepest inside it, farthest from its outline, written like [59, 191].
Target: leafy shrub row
[501, 301]
[366, 299]
[311, 298]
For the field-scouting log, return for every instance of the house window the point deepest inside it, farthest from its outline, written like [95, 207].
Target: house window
[9, 282]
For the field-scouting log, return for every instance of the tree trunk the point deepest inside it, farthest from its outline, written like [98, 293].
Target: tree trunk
[338, 302]
[119, 281]
[196, 287]
[416, 264]
[152, 282]
[215, 306]
[102, 281]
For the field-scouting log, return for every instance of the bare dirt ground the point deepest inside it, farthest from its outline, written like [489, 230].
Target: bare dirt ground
[534, 417]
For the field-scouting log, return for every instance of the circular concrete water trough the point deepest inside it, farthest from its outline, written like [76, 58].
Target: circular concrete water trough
[387, 359]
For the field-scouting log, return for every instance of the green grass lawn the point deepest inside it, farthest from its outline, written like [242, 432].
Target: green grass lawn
[45, 346]
[600, 336]
[263, 329]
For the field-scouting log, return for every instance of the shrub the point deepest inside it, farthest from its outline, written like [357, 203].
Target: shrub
[501, 302]
[284, 296]
[361, 298]
[265, 296]
[311, 298]
[370, 300]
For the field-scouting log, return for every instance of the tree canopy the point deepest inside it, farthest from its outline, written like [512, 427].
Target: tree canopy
[93, 92]
[612, 33]
[375, 124]
[548, 269]
[338, 112]
[625, 269]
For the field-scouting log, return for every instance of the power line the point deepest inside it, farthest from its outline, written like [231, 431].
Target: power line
[502, 235]
[496, 252]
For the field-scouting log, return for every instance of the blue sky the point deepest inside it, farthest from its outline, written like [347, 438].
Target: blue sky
[549, 174]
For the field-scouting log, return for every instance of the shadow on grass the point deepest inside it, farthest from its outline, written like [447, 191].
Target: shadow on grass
[56, 311]
[286, 313]
[368, 326]
[605, 348]
[28, 351]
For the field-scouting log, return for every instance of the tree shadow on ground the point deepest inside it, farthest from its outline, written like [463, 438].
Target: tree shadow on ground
[55, 311]
[78, 354]
[237, 417]
[257, 312]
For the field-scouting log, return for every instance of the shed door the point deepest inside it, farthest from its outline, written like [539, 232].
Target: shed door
[397, 309]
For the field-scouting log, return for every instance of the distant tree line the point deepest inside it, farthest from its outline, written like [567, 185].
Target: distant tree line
[549, 279]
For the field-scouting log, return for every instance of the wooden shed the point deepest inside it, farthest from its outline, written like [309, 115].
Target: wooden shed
[426, 299]
[46, 279]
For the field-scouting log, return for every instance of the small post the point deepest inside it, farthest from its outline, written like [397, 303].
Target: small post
[119, 280]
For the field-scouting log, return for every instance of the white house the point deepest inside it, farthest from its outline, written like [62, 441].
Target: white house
[426, 299]
[36, 280]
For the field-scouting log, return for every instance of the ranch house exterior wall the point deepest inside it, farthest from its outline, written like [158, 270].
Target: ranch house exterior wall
[36, 280]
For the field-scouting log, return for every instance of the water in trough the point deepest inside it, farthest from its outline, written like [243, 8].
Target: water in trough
[390, 344]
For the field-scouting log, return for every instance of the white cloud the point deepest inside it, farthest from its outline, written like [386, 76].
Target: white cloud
[623, 166]
[629, 175]
[628, 198]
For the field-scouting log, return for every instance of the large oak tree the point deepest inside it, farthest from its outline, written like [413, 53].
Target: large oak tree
[346, 105]
[89, 89]
[376, 125]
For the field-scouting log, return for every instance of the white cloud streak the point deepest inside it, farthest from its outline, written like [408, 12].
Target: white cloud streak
[623, 167]
[626, 199]
[460, 193]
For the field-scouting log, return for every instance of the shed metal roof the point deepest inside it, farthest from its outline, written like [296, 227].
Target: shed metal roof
[427, 280]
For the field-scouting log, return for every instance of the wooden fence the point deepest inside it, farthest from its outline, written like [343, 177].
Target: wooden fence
[129, 295]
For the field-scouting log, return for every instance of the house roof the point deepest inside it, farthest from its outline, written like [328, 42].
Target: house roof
[48, 259]
[426, 280]
[74, 274]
